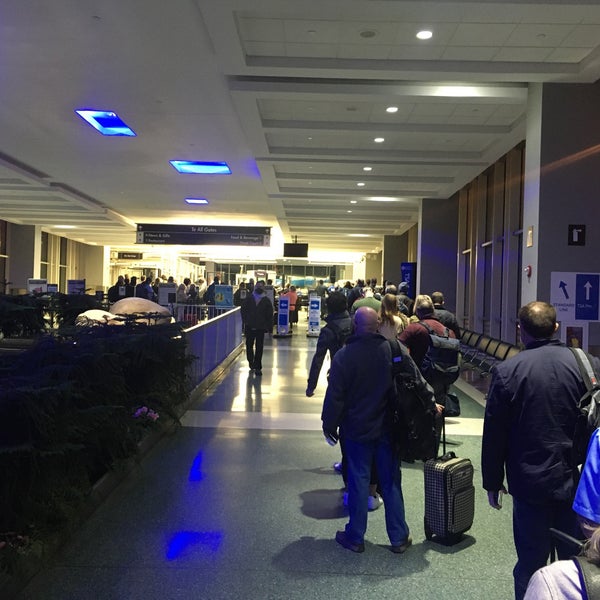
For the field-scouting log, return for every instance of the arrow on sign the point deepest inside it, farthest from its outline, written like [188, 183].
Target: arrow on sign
[563, 286]
[588, 287]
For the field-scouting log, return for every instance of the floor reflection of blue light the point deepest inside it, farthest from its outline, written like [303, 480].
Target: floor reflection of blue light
[196, 470]
[193, 540]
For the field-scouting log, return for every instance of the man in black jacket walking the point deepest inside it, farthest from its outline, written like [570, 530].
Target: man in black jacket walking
[257, 316]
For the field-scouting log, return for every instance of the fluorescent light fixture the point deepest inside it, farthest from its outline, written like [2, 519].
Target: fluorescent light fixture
[201, 167]
[64, 227]
[365, 235]
[457, 91]
[106, 122]
[348, 211]
[424, 34]
[196, 200]
[379, 140]
[382, 199]
[367, 168]
[361, 184]
[391, 109]
[353, 201]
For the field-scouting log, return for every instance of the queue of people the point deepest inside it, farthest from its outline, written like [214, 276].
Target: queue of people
[528, 431]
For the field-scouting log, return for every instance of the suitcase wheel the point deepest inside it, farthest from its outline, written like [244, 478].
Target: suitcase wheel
[428, 532]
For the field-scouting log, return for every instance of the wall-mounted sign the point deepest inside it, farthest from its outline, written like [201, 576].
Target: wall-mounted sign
[576, 296]
[130, 255]
[202, 235]
[576, 235]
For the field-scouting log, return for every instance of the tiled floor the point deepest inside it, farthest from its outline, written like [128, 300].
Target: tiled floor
[242, 502]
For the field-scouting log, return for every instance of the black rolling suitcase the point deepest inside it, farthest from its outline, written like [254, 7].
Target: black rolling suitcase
[449, 497]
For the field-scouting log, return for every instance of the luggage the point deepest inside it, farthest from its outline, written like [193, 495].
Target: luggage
[449, 498]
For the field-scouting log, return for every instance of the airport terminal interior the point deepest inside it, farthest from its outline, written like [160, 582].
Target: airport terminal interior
[452, 145]
[242, 501]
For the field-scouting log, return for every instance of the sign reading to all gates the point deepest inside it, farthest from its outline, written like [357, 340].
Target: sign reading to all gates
[575, 296]
[202, 235]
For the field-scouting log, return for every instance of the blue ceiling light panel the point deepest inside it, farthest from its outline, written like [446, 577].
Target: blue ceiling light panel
[197, 167]
[106, 122]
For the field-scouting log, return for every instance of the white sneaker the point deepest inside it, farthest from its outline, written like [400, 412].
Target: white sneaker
[375, 502]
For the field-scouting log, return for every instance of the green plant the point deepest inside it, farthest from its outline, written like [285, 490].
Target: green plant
[72, 408]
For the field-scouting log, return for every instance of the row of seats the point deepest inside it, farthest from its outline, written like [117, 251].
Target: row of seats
[482, 352]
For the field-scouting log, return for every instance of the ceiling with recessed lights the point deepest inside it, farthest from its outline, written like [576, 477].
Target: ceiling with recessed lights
[336, 118]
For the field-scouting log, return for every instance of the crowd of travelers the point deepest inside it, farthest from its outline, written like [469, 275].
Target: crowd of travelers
[147, 288]
[530, 417]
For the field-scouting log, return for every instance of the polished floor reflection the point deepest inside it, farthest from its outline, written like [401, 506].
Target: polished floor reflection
[242, 502]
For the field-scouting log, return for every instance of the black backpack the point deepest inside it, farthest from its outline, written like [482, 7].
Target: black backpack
[441, 365]
[413, 408]
[588, 419]
[341, 333]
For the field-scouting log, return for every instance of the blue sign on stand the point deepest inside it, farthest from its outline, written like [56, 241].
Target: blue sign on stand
[587, 297]
[283, 317]
[314, 316]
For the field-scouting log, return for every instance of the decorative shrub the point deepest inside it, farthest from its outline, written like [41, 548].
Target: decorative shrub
[72, 408]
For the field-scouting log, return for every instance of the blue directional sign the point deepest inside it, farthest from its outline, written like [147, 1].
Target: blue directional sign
[587, 296]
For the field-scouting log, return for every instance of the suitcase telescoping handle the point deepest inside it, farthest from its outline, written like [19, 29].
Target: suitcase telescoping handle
[447, 456]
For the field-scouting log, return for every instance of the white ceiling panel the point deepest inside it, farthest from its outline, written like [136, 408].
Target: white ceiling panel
[249, 83]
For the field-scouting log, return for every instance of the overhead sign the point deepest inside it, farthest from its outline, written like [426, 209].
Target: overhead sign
[202, 235]
[575, 296]
[130, 255]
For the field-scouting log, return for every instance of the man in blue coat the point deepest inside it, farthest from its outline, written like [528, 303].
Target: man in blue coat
[528, 430]
[357, 406]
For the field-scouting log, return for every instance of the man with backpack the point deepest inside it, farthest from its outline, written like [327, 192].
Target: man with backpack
[357, 406]
[331, 337]
[530, 418]
[419, 338]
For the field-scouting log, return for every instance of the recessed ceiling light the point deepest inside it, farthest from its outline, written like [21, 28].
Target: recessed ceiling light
[201, 167]
[361, 184]
[348, 211]
[358, 235]
[379, 140]
[353, 201]
[309, 138]
[367, 168]
[106, 122]
[391, 109]
[196, 200]
[425, 34]
[382, 199]
[64, 227]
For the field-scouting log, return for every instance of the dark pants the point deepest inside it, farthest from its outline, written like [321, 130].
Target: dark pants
[255, 339]
[533, 541]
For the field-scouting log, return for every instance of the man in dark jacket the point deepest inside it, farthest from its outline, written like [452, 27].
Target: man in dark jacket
[528, 429]
[357, 402]
[257, 316]
[443, 315]
[404, 299]
[331, 337]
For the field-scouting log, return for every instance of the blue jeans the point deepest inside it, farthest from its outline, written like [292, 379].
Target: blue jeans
[533, 540]
[360, 456]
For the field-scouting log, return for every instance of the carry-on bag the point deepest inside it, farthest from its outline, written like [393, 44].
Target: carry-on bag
[449, 498]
